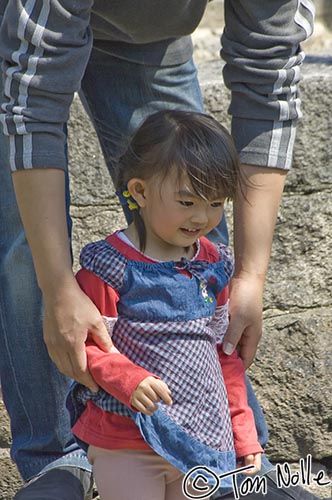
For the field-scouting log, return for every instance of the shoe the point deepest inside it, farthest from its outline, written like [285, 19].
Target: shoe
[65, 483]
[273, 492]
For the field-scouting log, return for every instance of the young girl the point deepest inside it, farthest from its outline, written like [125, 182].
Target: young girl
[161, 286]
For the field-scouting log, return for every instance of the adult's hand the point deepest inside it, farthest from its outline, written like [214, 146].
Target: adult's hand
[255, 212]
[69, 316]
[245, 318]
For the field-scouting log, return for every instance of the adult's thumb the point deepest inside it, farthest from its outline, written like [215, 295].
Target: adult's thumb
[101, 337]
[232, 337]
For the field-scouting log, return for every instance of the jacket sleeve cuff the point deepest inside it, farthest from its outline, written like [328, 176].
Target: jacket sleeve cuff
[264, 143]
[250, 449]
[38, 150]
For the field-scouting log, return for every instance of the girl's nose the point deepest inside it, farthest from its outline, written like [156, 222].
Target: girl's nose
[200, 217]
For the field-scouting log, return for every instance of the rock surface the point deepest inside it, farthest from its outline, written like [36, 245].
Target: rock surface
[10, 480]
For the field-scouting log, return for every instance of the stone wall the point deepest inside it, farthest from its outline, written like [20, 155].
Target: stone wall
[292, 372]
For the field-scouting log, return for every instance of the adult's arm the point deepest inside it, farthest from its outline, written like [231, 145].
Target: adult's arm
[255, 212]
[45, 47]
[261, 48]
[68, 313]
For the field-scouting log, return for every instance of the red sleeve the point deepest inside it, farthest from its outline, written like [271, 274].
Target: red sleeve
[243, 423]
[115, 373]
[101, 294]
[112, 371]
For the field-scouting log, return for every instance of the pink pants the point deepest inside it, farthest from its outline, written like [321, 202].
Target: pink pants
[134, 475]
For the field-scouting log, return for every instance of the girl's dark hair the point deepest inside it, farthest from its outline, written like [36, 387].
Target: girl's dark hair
[192, 143]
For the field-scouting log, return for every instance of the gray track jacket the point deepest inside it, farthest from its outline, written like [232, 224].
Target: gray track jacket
[45, 47]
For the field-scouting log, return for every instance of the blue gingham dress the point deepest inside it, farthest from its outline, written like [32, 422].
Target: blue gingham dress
[164, 324]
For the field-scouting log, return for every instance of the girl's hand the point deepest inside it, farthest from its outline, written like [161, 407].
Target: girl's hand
[255, 459]
[148, 393]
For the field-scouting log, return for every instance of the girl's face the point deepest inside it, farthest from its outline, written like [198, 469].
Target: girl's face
[175, 216]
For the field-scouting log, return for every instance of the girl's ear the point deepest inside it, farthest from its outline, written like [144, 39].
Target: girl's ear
[136, 188]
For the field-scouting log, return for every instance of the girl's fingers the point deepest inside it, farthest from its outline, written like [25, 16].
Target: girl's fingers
[255, 460]
[165, 395]
[148, 393]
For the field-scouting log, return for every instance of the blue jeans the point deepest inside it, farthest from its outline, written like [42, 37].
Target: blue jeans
[118, 95]
[33, 389]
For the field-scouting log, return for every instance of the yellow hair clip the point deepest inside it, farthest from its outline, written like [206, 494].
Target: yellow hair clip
[126, 199]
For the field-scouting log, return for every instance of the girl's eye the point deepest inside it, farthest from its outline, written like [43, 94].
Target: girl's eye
[186, 203]
[217, 204]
